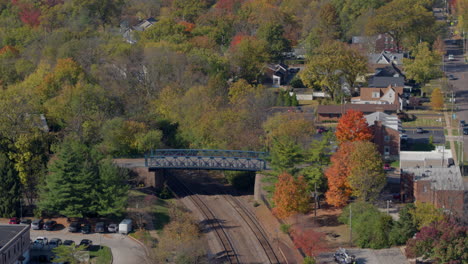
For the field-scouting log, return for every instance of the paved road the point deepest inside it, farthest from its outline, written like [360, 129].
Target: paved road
[436, 133]
[124, 249]
[459, 69]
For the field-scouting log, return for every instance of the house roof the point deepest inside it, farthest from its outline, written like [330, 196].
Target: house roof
[387, 120]
[145, 24]
[365, 108]
[377, 81]
[388, 71]
[386, 57]
[367, 93]
[441, 178]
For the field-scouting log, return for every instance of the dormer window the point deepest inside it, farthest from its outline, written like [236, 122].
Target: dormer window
[375, 95]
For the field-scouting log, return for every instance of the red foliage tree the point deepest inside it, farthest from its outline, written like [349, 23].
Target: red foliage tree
[290, 196]
[188, 26]
[229, 5]
[352, 126]
[238, 39]
[309, 241]
[29, 14]
[9, 49]
[337, 174]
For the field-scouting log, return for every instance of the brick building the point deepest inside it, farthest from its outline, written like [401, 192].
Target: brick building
[14, 244]
[443, 187]
[386, 130]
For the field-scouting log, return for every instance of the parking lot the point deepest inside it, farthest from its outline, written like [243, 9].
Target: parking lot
[124, 249]
[369, 256]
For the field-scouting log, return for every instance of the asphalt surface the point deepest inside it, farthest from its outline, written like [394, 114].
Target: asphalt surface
[369, 256]
[124, 249]
[459, 69]
[436, 133]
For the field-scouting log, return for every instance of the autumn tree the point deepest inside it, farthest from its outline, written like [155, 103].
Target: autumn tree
[437, 99]
[424, 66]
[425, 213]
[443, 241]
[311, 242]
[290, 196]
[329, 22]
[339, 190]
[367, 177]
[248, 58]
[329, 63]
[353, 126]
[292, 125]
[273, 34]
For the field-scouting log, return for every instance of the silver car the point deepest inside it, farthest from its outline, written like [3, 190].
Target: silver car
[37, 224]
[113, 228]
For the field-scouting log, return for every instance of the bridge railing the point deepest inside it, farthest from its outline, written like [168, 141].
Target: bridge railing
[208, 153]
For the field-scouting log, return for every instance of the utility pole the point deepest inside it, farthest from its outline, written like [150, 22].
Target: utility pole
[350, 225]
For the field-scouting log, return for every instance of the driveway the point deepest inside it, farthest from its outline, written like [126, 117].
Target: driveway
[124, 249]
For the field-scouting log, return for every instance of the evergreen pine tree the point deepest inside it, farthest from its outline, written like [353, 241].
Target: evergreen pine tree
[112, 195]
[10, 193]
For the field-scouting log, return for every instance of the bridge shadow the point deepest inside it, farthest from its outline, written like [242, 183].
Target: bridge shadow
[207, 225]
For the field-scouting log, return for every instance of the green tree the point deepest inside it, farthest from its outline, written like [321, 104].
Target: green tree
[329, 23]
[10, 193]
[424, 66]
[329, 63]
[248, 58]
[318, 157]
[285, 153]
[68, 254]
[405, 227]
[371, 228]
[425, 213]
[402, 19]
[113, 192]
[367, 177]
[273, 35]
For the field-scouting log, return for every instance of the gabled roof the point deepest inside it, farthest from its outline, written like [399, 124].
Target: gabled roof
[386, 58]
[387, 120]
[388, 71]
[367, 93]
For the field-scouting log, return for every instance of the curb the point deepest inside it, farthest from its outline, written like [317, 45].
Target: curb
[143, 245]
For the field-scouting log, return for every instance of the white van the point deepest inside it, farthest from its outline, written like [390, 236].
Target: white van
[125, 226]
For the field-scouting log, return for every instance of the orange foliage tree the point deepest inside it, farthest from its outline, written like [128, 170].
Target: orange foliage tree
[352, 126]
[290, 196]
[309, 241]
[337, 174]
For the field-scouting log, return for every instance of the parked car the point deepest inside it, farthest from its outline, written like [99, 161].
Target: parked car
[419, 130]
[451, 57]
[86, 242]
[321, 130]
[14, 221]
[451, 77]
[68, 243]
[41, 241]
[404, 137]
[465, 131]
[113, 228]
[50, 225]
[37, 224]
[100, 227]
[450, 162]
[343, 257]
[86, 229]
[74, 227]
[55, 242]
[387, 167]
[25, 222]
[462, 123]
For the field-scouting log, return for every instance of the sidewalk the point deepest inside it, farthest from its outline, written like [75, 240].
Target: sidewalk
[450, 137]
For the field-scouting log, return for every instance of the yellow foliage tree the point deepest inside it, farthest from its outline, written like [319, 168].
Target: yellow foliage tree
[437, 99]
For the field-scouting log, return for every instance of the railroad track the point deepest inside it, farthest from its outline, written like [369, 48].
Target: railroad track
[254, 225]
[178, 187]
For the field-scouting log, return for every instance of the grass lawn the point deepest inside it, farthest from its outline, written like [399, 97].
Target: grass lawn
[395, 164]
[425, 122]
[309, 102]
[156, 207]
[418, 111]
[101, 256]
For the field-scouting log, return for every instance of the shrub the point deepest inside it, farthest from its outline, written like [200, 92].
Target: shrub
[241, 180]
[285, 228]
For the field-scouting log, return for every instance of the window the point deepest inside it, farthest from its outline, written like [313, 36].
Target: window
[387, 138]
[386, 150]
[375, 95]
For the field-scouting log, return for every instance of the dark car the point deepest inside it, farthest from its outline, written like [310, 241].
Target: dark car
[37, 224]
[55, 242]
[14, 221]
[86, 242]
[450, 162]
[86, 229]
[100, 227]
[68, 243]
[451, 77]
[321, 130]
[25, 222]
[74, 227]
[419, 130]
[465, 131]
[50, 225]
[462, 123]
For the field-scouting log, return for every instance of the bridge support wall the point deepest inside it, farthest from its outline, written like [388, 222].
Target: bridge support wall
[258, 187]
[157, 178]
